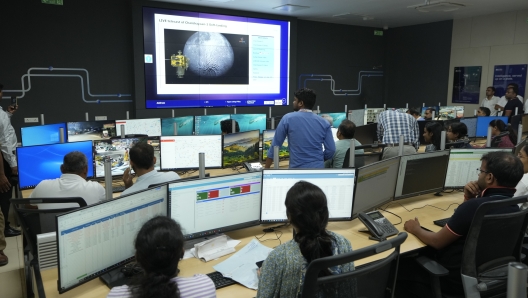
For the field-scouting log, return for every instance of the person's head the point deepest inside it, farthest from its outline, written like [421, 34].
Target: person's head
[483, 111]
[75, 162]
[226, 126]
[307, 211]
[159, 248]
[414, 112]
[497, 127]
[523, 156]
[514, 86]
[433, 133]
[455, 131]
[304, 99]
[499, 169]
[490, 91]
[142, 157]
[428, 114]
[346, 130]
[511, 93]
[328, 118]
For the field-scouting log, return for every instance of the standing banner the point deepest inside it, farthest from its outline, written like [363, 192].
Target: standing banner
[466, 84]
[507, 74]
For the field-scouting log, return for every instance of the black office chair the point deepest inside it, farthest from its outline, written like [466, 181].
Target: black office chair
[373, 280]
[34, 222]
[366, 158]
[492, 242]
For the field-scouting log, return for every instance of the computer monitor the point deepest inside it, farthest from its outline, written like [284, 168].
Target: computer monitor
[334, 134]
[150, 127]
[37, 163]
[96, 239]
[471, 123]
[337, 184]
[483, 124]
[337, 118]
[421, 173]
[367, 134]
[182, 152]
[371, 115]
[118, 150]
[357, 116]
[240, 147]
[277, 119]
[369, 195]
[435, 108]
[43, 134]
[449, 112]
[215, 205]
[267, 139]
[519, 147]
[184, 125]
[463, 164]
[209, 124]
[248, 122]
[525, 122]
[91, 130]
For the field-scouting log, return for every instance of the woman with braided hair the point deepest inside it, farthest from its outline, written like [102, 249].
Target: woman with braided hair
[282, 273]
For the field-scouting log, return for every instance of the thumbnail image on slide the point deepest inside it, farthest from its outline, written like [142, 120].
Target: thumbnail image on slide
[195, 57]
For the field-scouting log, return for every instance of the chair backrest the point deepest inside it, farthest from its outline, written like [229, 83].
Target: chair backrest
[495, 238]
[367, 158]
[30, 219]
[372, 279]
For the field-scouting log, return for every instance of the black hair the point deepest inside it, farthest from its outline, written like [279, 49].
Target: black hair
[436, 128]
[1, 87]
[516, 90]
[347, 129]
[74, 163]
[307, 210]
[307, 96]
[227, 127]
[506, 168]
[492, 88]
[459, 128]
[159, 248]
[485, 110]
[414, 111]
[142, 155]
[503, 127]
[431, 110]
[525, 149]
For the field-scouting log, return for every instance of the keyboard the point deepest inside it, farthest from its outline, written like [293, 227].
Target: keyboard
[441, 222]
[219, 280]
[118, 188]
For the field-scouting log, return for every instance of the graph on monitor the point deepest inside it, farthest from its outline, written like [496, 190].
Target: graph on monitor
[182, 152]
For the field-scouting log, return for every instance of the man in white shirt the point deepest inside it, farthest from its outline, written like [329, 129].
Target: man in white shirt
[142, 161]
[8, 143]
[72, 183]
[503, 101]
[490, 100]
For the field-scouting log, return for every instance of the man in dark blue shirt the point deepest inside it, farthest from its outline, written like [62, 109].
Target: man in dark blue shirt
[306, 132]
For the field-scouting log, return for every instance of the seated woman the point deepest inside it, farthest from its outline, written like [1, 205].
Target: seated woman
[483, 111]
[457, 133]
[503, 136]
[522, 186]
[282, 273]
[433, 136]
[159, 248]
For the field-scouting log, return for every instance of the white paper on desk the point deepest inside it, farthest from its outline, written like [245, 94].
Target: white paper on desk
[241, 266]
[191, 253]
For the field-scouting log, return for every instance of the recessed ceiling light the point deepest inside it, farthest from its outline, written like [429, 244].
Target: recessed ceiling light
[437, 6]
[290, 7]
[216, 1]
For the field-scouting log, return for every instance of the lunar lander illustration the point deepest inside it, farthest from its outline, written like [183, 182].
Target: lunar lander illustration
[180, 62]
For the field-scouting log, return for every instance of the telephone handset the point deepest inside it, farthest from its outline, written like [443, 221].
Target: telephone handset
[377, 225]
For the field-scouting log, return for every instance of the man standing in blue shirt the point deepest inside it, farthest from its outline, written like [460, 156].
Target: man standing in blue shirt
[306, 132]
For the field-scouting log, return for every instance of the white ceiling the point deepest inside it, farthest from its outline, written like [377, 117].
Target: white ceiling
[391, 13]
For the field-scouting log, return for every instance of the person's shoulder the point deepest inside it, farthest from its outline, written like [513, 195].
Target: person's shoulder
[119, 292]
[340, 239]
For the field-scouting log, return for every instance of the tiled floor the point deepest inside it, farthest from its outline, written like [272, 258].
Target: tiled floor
[12, 274]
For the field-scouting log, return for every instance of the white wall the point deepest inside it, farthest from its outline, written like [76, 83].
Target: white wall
[487, 41]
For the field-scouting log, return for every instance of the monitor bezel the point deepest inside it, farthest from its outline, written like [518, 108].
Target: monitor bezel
[108, 269]
[31, 127]
[224, 229]
[179, 169]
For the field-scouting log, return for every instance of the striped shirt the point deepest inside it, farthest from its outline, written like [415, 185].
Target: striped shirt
[198, 286]
[392, 124]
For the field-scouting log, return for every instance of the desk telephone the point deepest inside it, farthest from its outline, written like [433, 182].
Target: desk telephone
[377, 225]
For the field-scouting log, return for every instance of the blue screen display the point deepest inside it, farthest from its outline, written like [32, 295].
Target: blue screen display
[248, 122]
[37, 163]
[209, 125]
[336, 117]
[185, 126]
[483, 123]
[42, 134]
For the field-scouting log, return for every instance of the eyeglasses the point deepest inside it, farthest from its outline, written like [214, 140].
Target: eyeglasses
[481, 171]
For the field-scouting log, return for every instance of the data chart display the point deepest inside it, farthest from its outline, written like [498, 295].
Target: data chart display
[182, 152]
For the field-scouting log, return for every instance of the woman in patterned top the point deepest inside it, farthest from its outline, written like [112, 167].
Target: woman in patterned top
[433, 136]
[282, 273]
[457, 133]
[159, 248]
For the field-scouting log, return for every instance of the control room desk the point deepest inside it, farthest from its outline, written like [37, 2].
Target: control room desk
[349, 229]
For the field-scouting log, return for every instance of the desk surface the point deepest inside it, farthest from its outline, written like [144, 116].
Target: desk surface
[349, 229]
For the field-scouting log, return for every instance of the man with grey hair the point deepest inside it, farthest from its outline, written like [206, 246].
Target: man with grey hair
[72, 183]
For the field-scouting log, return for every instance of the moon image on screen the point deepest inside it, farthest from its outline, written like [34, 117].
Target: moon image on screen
[210, 54]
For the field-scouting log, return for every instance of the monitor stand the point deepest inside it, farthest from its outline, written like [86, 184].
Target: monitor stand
[114, 278]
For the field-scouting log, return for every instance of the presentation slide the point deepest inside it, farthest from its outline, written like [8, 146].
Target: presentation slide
[182, 152]
[184, 126]
[43, 134]
[195, 59]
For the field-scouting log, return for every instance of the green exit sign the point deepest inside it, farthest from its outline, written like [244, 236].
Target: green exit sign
[378, 32]
[55, 2]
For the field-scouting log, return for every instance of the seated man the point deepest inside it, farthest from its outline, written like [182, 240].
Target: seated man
[345, 132]
[72, 183]
[498, 175]
[142, 161]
